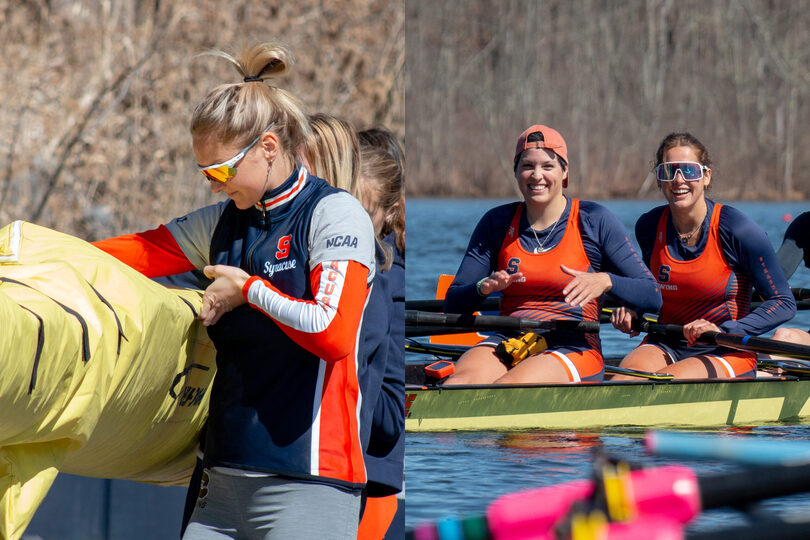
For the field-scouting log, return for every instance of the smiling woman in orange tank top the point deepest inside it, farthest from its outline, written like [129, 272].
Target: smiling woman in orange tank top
[706, 258]
[551, 258]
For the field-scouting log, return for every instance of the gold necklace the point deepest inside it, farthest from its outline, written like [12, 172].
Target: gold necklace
[684, 237]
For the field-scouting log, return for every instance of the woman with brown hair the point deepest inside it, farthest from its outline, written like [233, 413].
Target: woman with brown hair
[706, 256]
[552, 258]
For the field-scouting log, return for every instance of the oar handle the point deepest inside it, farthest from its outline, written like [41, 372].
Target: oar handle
[676, 331]
[488, 304]
[668, 330]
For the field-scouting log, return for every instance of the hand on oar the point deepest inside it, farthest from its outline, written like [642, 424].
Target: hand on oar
[622, 320]
[731, 341]
[492, 303]
[695, 329]
[585, 286]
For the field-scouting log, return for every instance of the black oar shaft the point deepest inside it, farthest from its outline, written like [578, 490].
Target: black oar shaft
[763, 345]
[753, 484]
[731, 341]
[419, 331]
[492, 303]
[667, 330]
[799, 293]
[494, 322]
[773, 527]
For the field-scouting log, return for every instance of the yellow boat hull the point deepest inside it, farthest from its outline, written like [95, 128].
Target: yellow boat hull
[89, 352]
[575, 406]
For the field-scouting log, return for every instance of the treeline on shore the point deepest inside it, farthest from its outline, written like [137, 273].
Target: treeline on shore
[97, 96]
[614, 78]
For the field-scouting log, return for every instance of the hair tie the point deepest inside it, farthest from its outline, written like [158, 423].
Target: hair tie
[253, 78]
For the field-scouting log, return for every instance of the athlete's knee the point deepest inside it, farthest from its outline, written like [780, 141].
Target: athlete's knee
[455, 378]
[641, 362]
[468, 377]
[783, 334]
[792, 335]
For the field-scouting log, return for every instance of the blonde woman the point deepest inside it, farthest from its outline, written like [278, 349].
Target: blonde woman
[291, 258]
[332, 151]
[372, 171]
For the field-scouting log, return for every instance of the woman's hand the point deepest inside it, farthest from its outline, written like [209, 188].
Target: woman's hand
[585, 286]
[622, 319]
[498, 281]
[224, 294]
[695, 329]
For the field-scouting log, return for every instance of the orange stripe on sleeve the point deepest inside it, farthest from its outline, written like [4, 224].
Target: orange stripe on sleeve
[153, 253]
[338, 338]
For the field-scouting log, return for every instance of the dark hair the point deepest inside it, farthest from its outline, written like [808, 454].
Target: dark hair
[682, 139]
[537, 136]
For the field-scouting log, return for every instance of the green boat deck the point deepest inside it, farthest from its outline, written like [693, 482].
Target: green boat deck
[608, 404]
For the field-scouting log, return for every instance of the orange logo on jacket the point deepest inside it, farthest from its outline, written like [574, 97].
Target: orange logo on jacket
[283, 247]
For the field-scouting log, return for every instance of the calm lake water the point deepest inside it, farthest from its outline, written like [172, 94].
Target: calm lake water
[459, 474]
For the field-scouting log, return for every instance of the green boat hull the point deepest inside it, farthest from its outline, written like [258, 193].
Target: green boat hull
[574, 406]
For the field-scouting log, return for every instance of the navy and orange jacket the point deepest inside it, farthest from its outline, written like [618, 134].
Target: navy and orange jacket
[286, 396]
[383, 379]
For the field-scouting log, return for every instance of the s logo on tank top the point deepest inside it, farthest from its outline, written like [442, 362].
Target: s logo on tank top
[705, 287]
[539, 295]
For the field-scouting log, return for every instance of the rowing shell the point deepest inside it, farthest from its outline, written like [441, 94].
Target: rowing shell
[103, 372]
[608, 404]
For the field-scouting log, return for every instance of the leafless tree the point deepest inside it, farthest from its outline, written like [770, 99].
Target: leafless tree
[614, 78]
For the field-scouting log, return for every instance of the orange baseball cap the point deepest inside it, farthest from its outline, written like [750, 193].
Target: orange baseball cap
[552, 140]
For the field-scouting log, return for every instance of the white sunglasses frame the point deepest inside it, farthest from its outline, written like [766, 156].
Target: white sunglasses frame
[234, 160]
[703, 169]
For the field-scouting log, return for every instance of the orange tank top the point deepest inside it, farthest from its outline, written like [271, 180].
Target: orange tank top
[705, 287]
[539, 296]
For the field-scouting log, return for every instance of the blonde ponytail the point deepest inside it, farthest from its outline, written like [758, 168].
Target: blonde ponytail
[238, 112]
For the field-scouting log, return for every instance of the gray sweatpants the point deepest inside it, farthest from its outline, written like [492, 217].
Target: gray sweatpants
[272, 508]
